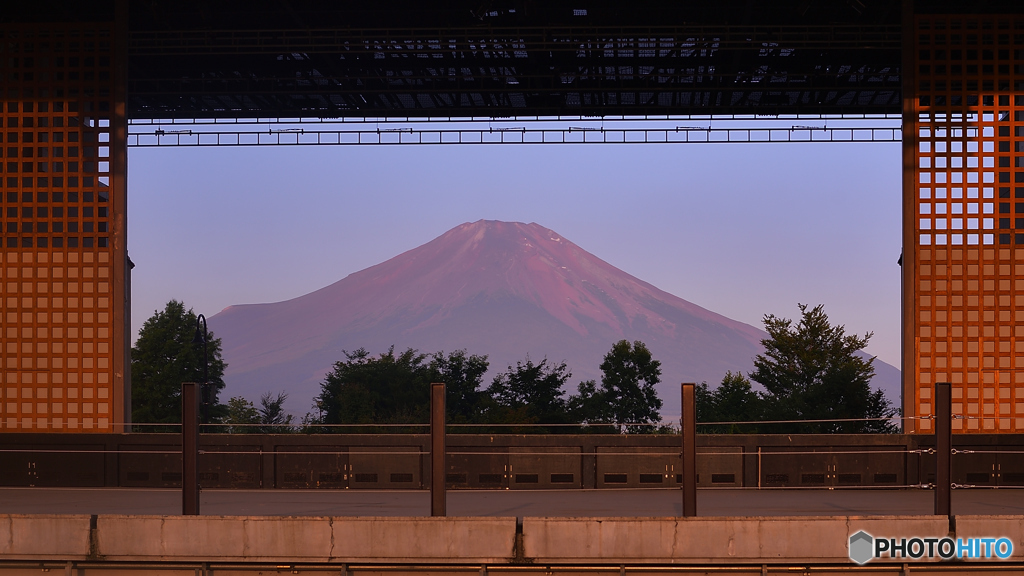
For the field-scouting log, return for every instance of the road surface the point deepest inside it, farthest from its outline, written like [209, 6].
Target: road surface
[651, 502]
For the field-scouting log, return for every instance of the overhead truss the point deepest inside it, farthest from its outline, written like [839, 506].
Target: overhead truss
[331, 73]
[276, 132]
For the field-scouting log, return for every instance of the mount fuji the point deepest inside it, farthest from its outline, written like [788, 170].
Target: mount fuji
[504, 289]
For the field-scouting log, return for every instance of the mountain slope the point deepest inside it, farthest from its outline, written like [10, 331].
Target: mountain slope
[497, 288]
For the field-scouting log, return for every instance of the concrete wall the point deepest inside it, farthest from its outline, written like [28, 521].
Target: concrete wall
[709, 540]
[44, 536]
[256, 539]
[545, 541]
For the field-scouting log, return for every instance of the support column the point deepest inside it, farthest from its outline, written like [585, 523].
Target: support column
[943, 449]
[963, 216]
[189, 449]
[62, 226]
[909, 283]
[437, 450]
[689, 456]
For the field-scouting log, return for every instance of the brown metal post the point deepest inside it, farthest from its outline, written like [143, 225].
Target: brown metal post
[437, 450]
[689, 425]
[943, 449]
[189, 449]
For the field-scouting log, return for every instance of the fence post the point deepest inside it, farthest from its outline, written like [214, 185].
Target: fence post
[943, 449]
[437, 450]
[189, 449]
[689, 455]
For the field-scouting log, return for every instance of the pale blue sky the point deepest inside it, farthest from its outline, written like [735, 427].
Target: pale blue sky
[740, 229]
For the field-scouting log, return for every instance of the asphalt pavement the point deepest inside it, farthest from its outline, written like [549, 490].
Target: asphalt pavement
[562, 503]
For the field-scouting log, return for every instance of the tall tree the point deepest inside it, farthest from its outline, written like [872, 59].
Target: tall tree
[272, 413]
[462, 375]
[387, 388]
[733, 401]
[242, 416]
[811, 370]
[626, 395]
[530, 394]
[589, 405]
[163, 357]
[629, 375]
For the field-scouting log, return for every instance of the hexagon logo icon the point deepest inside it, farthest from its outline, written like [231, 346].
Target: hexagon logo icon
[861, 545]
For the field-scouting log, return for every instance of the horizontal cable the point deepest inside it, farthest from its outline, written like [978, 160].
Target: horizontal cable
[814, 421]
[671, 424]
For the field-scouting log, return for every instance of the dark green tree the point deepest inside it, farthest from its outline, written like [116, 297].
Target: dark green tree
[270, 418]
[811, 370]
[382, 389]
[590, 406]
[530, 394]
[272, 414]
[626, 394]
[163, 357]
[629, 375]
[463, 376]
[733, 401]
[242, 416]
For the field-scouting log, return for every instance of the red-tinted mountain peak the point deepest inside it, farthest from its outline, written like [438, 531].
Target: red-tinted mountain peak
[505, 289]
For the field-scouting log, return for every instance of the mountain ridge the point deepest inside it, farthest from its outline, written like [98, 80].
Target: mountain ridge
[505, 289]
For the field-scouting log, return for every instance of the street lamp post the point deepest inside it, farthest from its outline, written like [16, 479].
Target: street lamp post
[201, 337]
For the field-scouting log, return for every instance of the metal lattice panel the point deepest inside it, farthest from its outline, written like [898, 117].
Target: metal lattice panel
[966, 209]
[63, 237]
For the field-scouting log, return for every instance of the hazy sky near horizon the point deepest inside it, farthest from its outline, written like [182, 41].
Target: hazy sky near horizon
[740, 229]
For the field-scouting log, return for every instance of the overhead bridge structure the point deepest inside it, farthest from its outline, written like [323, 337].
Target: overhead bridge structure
[83, 81]
[510, 59]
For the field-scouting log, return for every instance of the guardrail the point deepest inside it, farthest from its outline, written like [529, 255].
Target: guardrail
[507, 461]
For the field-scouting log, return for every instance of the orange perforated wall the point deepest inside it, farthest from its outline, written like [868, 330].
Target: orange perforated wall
[964, 220]
[62, 270]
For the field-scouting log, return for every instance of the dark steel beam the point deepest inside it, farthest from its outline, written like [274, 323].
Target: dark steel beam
[688, 423]
[203, 135]
[943, 449]
[437, 450]
[190, 449]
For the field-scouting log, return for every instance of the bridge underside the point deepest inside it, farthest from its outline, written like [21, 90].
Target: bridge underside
[76, 73]
[515, 58]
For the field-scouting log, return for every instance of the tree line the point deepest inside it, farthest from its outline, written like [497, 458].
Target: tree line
[394, 388]
[813, 379]
[815, 382]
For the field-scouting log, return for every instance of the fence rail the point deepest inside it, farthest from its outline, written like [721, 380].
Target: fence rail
[508, 461]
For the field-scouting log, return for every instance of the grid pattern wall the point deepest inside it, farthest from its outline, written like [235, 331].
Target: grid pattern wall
[969, 220]
[58, 287]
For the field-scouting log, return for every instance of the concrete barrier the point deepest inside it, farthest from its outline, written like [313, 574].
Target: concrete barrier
[295, 539]
[256, 539]
[1011, 527]
[44, 536]
[470, 541]
[710, 540]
